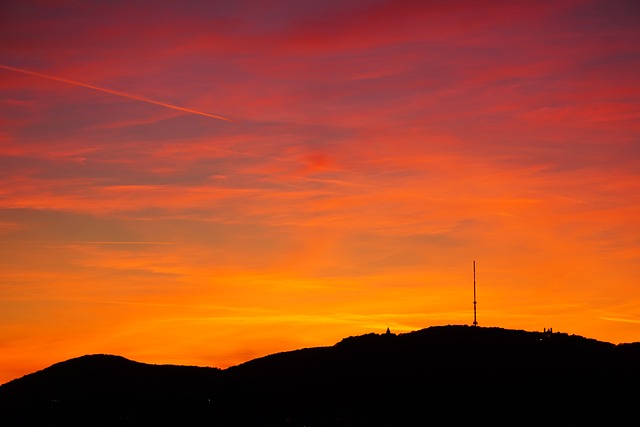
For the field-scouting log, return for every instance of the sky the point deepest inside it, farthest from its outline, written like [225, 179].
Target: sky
[207, 182]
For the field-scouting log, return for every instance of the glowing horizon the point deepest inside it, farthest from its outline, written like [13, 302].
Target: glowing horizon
[377, 149]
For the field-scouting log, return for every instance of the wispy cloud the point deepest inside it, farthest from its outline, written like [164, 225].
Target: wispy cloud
[617, 319]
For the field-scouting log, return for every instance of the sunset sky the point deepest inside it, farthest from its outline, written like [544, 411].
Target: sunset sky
[207, 182]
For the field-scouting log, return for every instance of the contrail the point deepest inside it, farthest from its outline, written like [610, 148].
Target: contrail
[123, 243]
[115, 92]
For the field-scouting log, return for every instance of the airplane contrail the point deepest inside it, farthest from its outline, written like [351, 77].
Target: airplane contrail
[115, 92]
[122, 243]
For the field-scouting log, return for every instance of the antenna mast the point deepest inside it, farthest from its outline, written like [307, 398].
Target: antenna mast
[475, 322]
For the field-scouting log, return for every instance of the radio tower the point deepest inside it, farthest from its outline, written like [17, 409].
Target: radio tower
[475, 322]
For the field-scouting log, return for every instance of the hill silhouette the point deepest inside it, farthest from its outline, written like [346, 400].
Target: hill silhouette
[441, 374]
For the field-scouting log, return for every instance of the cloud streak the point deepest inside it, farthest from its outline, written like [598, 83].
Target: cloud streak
[116, 93]
[124, 243]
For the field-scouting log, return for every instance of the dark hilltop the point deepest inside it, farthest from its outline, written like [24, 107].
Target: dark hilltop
[438, 375]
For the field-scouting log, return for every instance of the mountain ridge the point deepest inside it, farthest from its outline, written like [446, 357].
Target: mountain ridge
[370, 379]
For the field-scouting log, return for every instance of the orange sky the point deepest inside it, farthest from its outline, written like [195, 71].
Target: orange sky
[376, 149]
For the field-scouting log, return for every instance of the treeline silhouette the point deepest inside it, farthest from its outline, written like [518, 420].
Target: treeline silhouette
[439, 375]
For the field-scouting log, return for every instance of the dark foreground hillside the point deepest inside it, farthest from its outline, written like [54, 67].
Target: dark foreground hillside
[439, 375]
